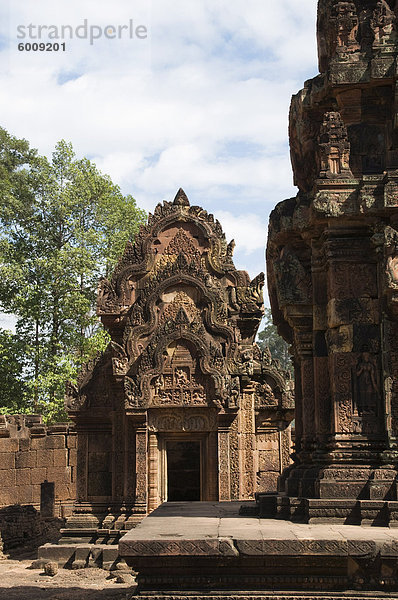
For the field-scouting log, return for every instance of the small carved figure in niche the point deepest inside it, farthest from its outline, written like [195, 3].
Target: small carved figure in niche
[334, 147]
[293, 282]
[233, 300]
[266, 358]
[216, 356]
[246, 359]
[347, 25]
[367, 392]
[382, 22]
[106, 299]
[120, 359]
[159, 384]
[166, 397]
[181, 378]
[130, 291]
[136, 317]
[197, 397]
[234, 392]
[209, 280]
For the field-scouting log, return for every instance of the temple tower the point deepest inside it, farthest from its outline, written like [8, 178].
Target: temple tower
[332, 274]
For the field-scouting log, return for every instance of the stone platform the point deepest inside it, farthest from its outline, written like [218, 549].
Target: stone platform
[209, 549]
[381, 513]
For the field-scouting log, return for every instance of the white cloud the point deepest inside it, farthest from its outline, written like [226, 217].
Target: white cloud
[202, 103]
[246, 229]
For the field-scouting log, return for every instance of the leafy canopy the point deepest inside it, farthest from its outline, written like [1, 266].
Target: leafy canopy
[63, 225]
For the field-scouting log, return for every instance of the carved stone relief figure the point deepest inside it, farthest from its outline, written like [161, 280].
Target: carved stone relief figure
[293, 281]
[382, 23]
[346, 26]
[106, 299]
[366, 389]
[334, 147]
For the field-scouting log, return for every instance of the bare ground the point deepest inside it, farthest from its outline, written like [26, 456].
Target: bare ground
[19, 582]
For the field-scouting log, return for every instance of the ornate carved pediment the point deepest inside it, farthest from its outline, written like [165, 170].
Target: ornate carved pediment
[182, 318]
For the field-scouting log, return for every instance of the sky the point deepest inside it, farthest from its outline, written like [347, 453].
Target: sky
[163, 94]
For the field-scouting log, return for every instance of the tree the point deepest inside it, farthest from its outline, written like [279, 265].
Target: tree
[278, 347]
[12, 385]
[61, 231]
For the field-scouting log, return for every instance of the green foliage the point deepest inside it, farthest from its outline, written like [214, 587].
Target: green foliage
[62, 225]
[278, 347]
[13, 388]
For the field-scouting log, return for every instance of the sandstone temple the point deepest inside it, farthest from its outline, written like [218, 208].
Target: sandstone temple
[181, 461]
[183, 406]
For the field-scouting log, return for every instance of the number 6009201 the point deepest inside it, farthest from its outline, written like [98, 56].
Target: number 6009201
[42, 47]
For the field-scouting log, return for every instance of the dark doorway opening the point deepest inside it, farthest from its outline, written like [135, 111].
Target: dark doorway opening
[183, 471]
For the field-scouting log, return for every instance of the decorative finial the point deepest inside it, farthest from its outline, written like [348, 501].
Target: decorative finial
[181, 198]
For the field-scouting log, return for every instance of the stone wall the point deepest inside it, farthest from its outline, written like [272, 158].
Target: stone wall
[32, 457]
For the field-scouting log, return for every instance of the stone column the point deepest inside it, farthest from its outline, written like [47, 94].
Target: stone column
[153, 472]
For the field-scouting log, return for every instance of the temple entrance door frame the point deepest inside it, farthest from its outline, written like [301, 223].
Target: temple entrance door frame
[188, 437]
[181, 425]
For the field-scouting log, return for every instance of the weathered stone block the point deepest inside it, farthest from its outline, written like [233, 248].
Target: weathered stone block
[25, 459]
[7, 478]
[7, 460]
[64, 491]
[60, 457]
[7, 494]
[38, 475]
[24, 494]
[55, 441]
[60, 475]
[23, 477]
[36, 492]
[352, 310]
[71, 440]
[9, 445]
[63, 554]
[45, 458]
[24, 444]
[72, 458]
[38, 443]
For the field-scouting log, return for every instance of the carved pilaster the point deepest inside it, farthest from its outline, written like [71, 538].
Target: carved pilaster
[304, 350]
[153, 471]
[247, 443]
[141, 463]
[82, 466]
[224, 481]
[118, 462]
